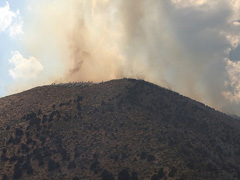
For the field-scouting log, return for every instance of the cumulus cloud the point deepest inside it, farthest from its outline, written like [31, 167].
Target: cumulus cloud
[6, 17]
[233, 70]
[10, 21]
[24, 69]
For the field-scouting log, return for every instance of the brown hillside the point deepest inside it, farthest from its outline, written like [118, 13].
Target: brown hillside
[122, 129]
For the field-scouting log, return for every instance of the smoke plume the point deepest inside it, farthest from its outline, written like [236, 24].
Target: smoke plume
[180, 44]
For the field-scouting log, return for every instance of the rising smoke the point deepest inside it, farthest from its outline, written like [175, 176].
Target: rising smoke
[182, 45]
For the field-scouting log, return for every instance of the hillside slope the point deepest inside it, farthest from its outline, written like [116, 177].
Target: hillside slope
[121, 129]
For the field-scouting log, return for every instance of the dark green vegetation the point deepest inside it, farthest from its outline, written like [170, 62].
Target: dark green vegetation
[122, 129]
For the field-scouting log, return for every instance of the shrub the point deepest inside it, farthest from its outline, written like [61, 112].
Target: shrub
[124, 175]
[44, 118]
[24, 148]
[143, 155]
[190, 164]
[10, 140]
[211, 168]
[4, 151]
[27, 134]
[151, 158]
[21, 160]
[40, 163]
[75, 178]
[65, 156]
[17, 172]
[26, 165]
[107, 175]
[42, 139]
[5, 177]
[161, 173]
[29, 141]
[30, 116]
[35, 121]
[14, 158]
[52, 165]
[103, 103]
[50, 117]
[172, 172]
[71, 165]
[76, 152]
[155, 177]
[4, 158]
[19, 132]
[39, 112]
[30, 170]
[79, 98]
[94, 165]
[134, 176]
[17, 140]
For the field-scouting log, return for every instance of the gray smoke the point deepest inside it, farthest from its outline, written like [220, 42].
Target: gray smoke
[182, 45]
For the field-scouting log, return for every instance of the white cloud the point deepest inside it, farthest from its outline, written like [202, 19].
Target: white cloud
[24, 68]
[192, 3]
[10, 21]
[233, 70]
[16, 30]
[6, 17]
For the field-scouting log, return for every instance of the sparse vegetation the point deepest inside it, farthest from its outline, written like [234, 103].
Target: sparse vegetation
[92, 131]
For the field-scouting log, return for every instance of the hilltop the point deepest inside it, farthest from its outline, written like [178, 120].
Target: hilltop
[122, 129]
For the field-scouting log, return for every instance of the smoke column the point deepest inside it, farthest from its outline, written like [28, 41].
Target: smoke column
[181, 45]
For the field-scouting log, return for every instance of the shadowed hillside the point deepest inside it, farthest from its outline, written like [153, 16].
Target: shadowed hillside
[122, 129]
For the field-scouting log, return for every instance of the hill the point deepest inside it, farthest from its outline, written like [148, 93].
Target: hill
[122, 129]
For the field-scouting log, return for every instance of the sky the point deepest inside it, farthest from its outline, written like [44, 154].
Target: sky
[189, 46]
